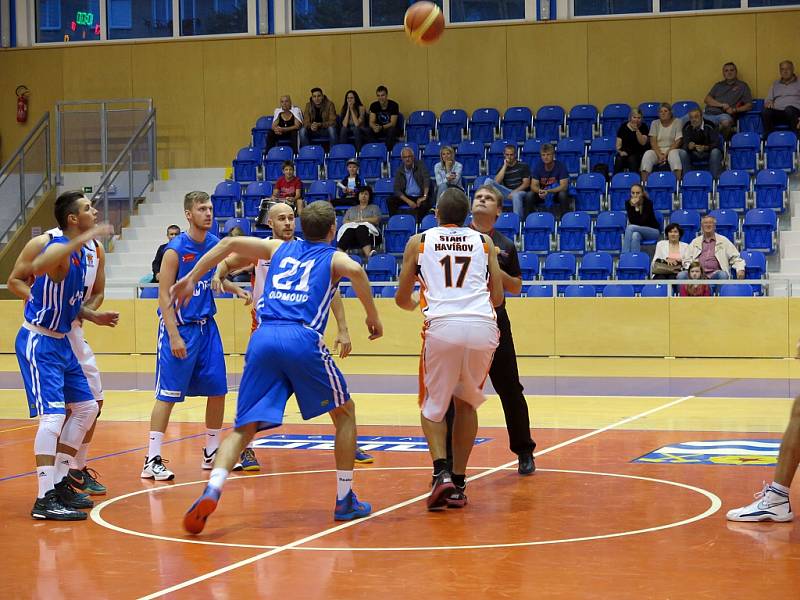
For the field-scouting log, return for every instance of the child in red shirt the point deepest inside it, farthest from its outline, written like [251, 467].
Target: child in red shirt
[288, 188]
[696, 273]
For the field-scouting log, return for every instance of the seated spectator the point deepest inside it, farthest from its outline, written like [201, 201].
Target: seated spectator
[782, 104]
[320, 118]
[289, 189]
[447, 172]
[513, 180]
[286, 122]
[353, 120]
[715, 253]
[695, 273]
[349, 185]
[700, 144]
[632, 143]
[550, 182]
[360, 230]
[726, 100]
[665, 143]
[173, 231]
[642, 221]
[383, 116]
[410, 186]
[672, 255]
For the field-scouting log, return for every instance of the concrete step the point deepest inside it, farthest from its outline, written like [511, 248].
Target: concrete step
[159, 221]
[133, 259]
[145, 235]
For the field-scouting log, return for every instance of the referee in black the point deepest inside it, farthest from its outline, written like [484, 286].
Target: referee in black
[486, 207]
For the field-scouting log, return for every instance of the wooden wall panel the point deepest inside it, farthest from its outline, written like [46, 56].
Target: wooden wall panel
[120, 339]
[94, 72]
[777, 40]
[533, 325]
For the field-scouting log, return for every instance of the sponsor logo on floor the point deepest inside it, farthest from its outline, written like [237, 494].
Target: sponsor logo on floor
[760, 453]
[368, 443]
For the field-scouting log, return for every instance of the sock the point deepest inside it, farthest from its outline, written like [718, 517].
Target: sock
[45, 476]
[460, 480]
[64, 462]
[154, 447]
[218, 477]
[250, 445]
[344, 483]
[80, 456]
[777, 487]
[212, 440]
[439, 465]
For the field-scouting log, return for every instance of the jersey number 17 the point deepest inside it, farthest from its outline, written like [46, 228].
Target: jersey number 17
[447, 265]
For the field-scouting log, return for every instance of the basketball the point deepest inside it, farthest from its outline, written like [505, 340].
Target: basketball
[424, 23]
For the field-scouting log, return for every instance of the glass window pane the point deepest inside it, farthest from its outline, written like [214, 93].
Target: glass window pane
[462, 11]
[129, 19]
[585, 8]
[67, 20]
[676, 5]
[213, 17]
[390, 12]
[760, 3]
[326, 14]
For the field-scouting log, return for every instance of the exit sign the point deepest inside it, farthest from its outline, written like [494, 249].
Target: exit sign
[84, 18]
[87, 189]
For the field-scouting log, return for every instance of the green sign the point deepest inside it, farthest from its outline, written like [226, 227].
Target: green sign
[87, 189]
[84, 18]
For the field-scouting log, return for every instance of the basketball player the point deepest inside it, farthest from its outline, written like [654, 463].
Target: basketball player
[287, 353]
[190, 358]
[460, 283]
[282, 221]
[51, 374]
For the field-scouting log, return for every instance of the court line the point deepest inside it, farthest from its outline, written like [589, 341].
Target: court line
[399, 505]
[18, 428]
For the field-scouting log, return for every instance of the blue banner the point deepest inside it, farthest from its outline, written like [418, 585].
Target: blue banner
[368, 443]
[761, 453]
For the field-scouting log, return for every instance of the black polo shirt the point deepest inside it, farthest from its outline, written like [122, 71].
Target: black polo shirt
[507, 257]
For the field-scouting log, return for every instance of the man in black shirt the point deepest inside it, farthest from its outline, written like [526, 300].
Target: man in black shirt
[383, 116]
[701, 144]
[172, 232]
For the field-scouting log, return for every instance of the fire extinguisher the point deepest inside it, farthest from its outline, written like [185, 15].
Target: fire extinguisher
[22, 103]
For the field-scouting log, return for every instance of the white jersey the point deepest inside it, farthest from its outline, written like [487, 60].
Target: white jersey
[453, 269]
[92, 262]
[259, 277]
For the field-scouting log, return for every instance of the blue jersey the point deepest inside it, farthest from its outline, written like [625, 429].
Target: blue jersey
[201, 306]
[54, 305]
[298, 285]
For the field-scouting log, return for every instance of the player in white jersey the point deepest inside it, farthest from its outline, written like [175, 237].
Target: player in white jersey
[460, 284]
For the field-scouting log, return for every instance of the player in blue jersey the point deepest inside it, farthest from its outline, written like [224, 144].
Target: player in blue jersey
[287, 354]
[53, 378]
[190, 358]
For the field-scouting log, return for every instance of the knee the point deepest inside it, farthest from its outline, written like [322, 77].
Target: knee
[636, 236]
[344, 415]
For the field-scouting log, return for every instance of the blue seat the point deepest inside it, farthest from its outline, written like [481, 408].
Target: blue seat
[246, 163]
[681, 108]
[696, 190]
[658, 290]
[580, 291]
[273, 165]
[780, 150]
[382, 267]
[538, 231]
[259, 132]
[760, 230]
[573, 232]
[427, 222]
[348, 291]
[430, 155]
[736, 290]
[649, 112]
[581, 121]
[309, 162]
[371, 160]
[383, 190]
[508, 224]
[323, 189]
[609, 230]
[559, 266]
[602, 151]
[483, 124]
[596, 266]
[619, 290]
[148, 292]
[225, 198]
[336, 163]
[732, 190]
[539, 291]
[590, 190]
[253, 195]
[633, 265]
[397, 231]
[727, 223]
[771, 190]
[744, 150]
[750, 122]
[755, 268]
[243, 224]
[530, 153]
[529, 265]
[395, 160]
[470, 155]
[549, 123]
[387, 291]
[495, 157]
[689, 220]
[612, 117]
[570, 151]
[620, 189]
[661, 187]
[516, 124]
[452, 124]
[420, 127]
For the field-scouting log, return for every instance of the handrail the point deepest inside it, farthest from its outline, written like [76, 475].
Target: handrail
[149, 101]
[34, 131]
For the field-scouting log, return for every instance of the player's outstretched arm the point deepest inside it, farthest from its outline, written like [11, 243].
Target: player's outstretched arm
[495, 275]
[408, 274]
[232, 263]
[21, 278]
[54, 261]
[344, 266]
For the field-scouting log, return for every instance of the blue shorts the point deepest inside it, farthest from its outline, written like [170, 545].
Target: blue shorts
[52, 375]
[284, 359]
[201, 373]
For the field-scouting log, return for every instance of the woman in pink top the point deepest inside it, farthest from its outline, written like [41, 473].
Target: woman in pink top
[671, 251]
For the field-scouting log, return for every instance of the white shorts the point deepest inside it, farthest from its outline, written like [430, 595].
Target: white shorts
[455, 361]
[83, 352]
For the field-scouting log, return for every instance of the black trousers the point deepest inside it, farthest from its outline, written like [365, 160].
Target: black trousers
[631, 163]
[771, 117]
[505, 380]
[273, 138]
[395, 202]
[387, 136]
[356, 238]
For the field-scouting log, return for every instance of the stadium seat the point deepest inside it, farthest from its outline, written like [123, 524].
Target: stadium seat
[780, 151]
[452, 124]
[662, 187]
[224, 199]
[559, 266]
[689, 220]
[755, 268]
[596, 266]
[395, 159]
[619, 290]
[273, 165]
[483, 124]
[397, 231]
[727, 223]
[659, 290]
[538, 231]
[420, 127]
[259, 132]
[696, 190]
[495, 157]
[371, 160]
[245, 166]
[609, 230]
[253, 195]
[750, 122]
[760, 230]
[570, 151]
[323, 189]
[549, 123]
[612, 117]
[382, 267]
[602, 151]
[741, 290]
[771, 190]
[508, 224]
[681, 108]
[336, 163]
[470, 155]
[590, 190]
[530, 153]
[581, 121]
[348, 291]
[382, 191]
[428, 221]
[743, 151]
[633, 265]
[580, 291]
[620, 189]
[243, 224]
[539, 291]
[309, 162]
[388, 291]
[516, 124]
[732, 190]
[649, 112]
[148, 292]
[573, 232]
[529, 265]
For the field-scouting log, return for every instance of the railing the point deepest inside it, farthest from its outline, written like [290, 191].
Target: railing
[27, 173]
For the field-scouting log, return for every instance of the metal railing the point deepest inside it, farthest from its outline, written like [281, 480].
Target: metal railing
[26, 174]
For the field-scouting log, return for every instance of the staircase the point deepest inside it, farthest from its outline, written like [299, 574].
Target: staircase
[786, 263]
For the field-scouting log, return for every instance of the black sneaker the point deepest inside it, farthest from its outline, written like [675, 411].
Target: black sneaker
[51, 508]
[70, 498]
[442, 487]
[527, 465]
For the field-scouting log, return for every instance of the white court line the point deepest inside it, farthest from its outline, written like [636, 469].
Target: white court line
[394, 507]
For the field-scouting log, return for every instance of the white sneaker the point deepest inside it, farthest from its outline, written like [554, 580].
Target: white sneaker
[770, 505]
[208, 460]
[154, 469]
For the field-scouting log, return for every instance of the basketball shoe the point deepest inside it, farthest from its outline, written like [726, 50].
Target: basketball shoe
[247, 461]
[69, 497]
[195, 518]
[441, 489]
[349, 508]
[457, 498]
[51, 508]
[770, 505]
[154, 469]
[85, 480]
[362, 458]
[208, 460]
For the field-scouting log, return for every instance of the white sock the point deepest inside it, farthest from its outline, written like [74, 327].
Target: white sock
[250, 445]
[154, 448]
[218, 477]
[64, 462]
[344, 483]
[45, 476]
[212, 440]
[779, 488]
[80, 456]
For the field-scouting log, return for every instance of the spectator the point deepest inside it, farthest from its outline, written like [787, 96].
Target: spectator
[715, 253]
[286, 122]
[447, 171]
[240, 275]
[701, 143]
[695, 273]
[727, 99]
[383, 116]
[632, 142]
[361, 223]
[642, 221]
[173, 231]
[672, 255]
[410, 186]
[782, 104]
[349, 185]
[353, 119]
[665, 141]
[513, 180]
[289, 189]
[320, 115]
[550, 182]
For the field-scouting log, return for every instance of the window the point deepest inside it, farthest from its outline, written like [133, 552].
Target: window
[67, 20]
[326, 14]
[676, 5]
[462, 11]
[49, 15]
[390, 12]
[119, 14]
[130, 19]
[213, 17]
[760, 3]
[585, 8]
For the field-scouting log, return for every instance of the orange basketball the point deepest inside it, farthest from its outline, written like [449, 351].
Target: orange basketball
[424, 23]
